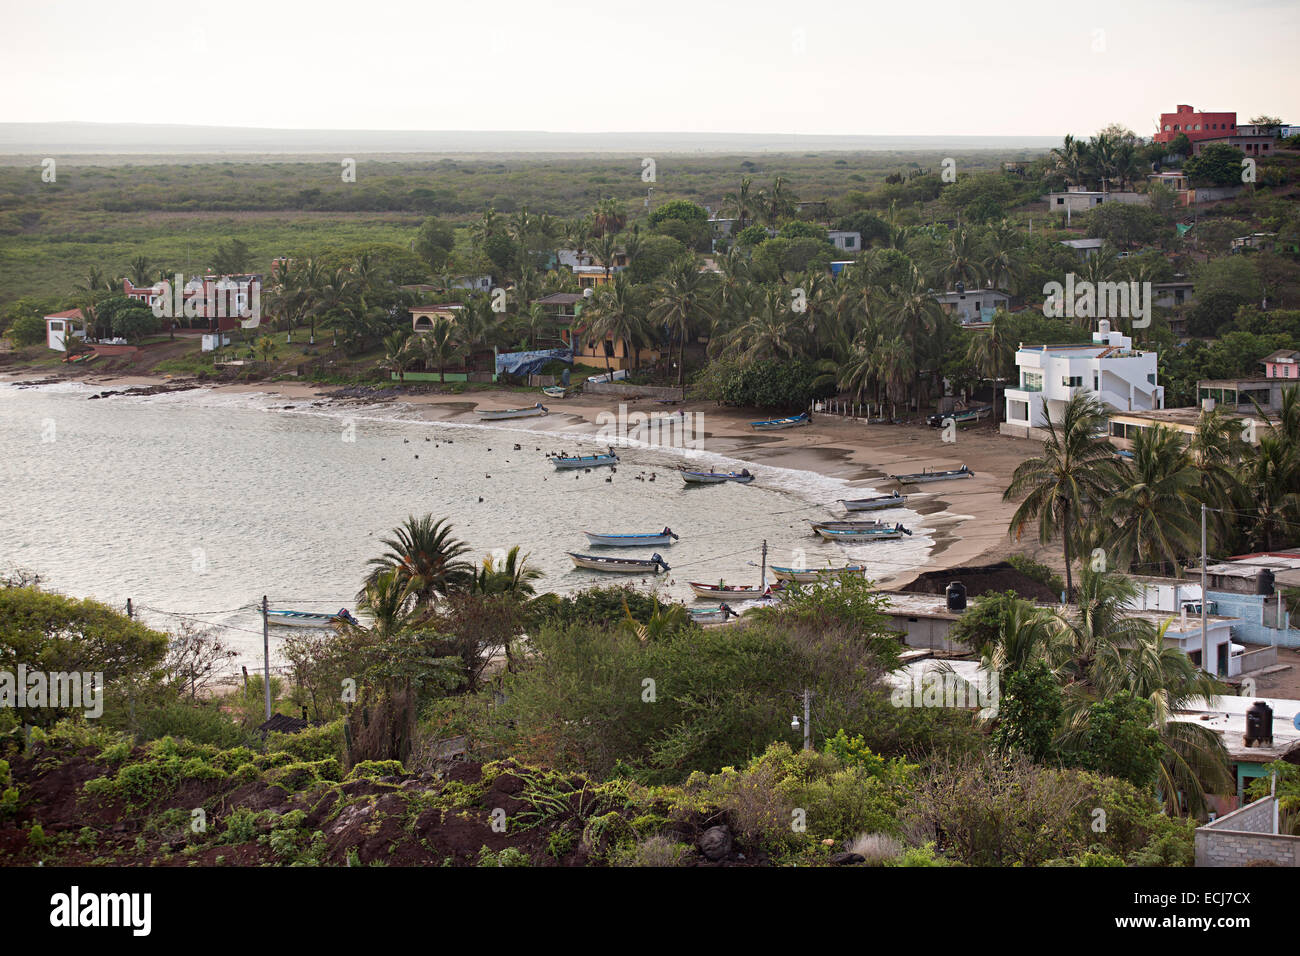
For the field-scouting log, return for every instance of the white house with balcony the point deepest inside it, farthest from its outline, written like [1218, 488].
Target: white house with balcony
[1121, 377]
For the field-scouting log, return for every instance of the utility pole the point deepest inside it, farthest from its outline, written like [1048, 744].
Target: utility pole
[266, 655]
[130, 611]
[807, 719]
[1205, 636]
[762, 575]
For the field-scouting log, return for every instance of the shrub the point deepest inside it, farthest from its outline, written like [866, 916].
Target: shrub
[656, 850]
[507, 857]
[372, 769]
[876, 849]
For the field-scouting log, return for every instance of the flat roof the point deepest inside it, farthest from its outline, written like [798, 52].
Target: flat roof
[1226, 716]
[1186, 415]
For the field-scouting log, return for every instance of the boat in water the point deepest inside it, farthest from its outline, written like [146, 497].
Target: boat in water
[877, 503]
[883, 533]
[930, 474]
[596, 562]
[309, 618]
[772, 424]
[651, 539]
[811, 575]
[493, 414]
[719, 591]
[849, 525]
[569, 462]
[714, 477]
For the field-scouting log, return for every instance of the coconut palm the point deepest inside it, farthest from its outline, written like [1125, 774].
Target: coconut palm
[1065, 486]
[605, 250]
[1149, 515]
[511, 576]
[139, 270]
[424, 558]
[397, 357]
[993, 355]
[608, 218]
[684, 299]
[960, 260]
[740, 202]
[1002, 255]
[441, 344]
[616, 314]
[775, 202]
[1071, 160]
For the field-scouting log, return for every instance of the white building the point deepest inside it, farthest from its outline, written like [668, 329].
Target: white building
[61, 324]
[1120, 377]
[973, 305]
[847, 241]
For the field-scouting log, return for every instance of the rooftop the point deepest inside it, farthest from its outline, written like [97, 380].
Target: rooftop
[1226, 716]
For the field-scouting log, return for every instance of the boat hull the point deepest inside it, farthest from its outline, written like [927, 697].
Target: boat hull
[586, 461]
[714, 478]
[928, 476]
[628, 540]
[591, 562]
[886, 534]
[498, 414]
[711, 592]
[301, 619]
[778, 423]
[810, 575]
[874, 504]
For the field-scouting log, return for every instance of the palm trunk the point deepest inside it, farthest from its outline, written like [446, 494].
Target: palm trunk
[1065, 535]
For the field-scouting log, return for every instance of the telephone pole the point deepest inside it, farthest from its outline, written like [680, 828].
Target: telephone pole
[1205, 635]
[807, 719]
[762, 574]
[266, 655]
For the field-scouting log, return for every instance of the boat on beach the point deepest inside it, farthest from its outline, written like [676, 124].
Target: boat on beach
[931, 475]
[596, 562]
[651, 539]
[719, 615]
[308, 618]
[714, 592]
[884, 533]
[494, 414]
[810, 575]
[876, 503]
[555, 391]
[714, 477]
[967, 416]
[772, 424]
[567, 462]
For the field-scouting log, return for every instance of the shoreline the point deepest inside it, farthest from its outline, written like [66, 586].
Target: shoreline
[968, 517]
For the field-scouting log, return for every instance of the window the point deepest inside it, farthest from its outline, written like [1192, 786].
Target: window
[1151, 378]
[1018, 411]
[1060, 200]
[1031, 381]
[1072, 381]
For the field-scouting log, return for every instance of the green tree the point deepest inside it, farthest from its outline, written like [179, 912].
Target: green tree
[434, 242]
[1029, 710]
[1217, 165]
[425, 559]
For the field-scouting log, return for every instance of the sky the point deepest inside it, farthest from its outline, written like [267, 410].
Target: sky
[763, 66]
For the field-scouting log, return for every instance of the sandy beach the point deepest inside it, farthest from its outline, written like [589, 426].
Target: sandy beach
[968, 516]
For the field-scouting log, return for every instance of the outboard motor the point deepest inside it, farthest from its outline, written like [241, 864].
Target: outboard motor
[1259, 725]
[956, 594]
[658, 559]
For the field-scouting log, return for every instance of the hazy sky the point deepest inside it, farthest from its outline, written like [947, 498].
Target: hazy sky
[773, 66]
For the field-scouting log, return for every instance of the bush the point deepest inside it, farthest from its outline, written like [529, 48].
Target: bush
[372, 769]
[27, 330]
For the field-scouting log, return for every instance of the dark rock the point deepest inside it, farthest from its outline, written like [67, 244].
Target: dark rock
[715, 843]
[847, 859]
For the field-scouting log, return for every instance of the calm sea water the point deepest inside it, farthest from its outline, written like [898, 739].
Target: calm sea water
[195, 504]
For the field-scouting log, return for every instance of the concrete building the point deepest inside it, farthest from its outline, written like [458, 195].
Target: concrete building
[973, 305]
[1226, 716]
[1283, 364]
[846, 241]
[424, 317]
[1079, 199]
[1120, 377]
[62, 324]
[1195, 124]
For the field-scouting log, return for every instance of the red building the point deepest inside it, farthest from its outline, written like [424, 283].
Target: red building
[1195, 125]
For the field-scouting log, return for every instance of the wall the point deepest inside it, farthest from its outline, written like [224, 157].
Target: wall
[1244, 836]
[632, 391]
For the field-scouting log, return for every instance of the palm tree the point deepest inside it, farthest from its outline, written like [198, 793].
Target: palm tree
[992, 353]
[1217, 449]
[1065, 485]
[424, 559]
[512, 576]
[772, 331]
[775, 202]
[605, 251]
[1002, 263]
[960, 260]
[139, 270]
[441, 344]
[617, 313]
[397, 357]
[917, 315]
[740, 202]
[1071, 160]
[683, 299]
[1272, 477]
[266, 347]
[608, 218]
[1149, 514]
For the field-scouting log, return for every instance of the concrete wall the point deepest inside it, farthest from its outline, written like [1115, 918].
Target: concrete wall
[1246, 836]
[926, 632]
[632, 391]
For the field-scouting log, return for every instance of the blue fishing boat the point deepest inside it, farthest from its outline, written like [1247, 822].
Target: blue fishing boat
[569, 462]
[715, 477]
[308, 618]
[720, 615]
[772, 424]
[884, 533]
[652, 539]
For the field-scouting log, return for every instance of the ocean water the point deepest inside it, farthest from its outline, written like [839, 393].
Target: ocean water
[195, 504]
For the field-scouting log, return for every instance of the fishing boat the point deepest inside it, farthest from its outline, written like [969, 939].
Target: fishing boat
[810, 575]
[718, 615]
[967, 416]
[595, 562]
[772, 424]
[931, 475]
[568, 462]
[849, 525]
[877, 503]
[863, 534]
[308, 618]
[651, 539]
[555, 391]
[714, 592]
[714, 477]
[492, 414]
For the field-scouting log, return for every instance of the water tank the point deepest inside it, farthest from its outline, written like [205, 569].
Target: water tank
[1264, 583]
[588, 292]
[1259, 724]
[956, 594]
[1104, 326]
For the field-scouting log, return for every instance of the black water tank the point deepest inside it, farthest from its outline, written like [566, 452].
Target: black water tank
[1259, 724]
[956, 594]
[1264, 583]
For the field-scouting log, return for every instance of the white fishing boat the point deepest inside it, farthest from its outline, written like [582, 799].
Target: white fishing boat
[742, 477]
[282, 618]
[595, 562]
[859, 535]
[720, 591]
[849, 525]
[877, 503]
[652, 539]
[555, 391]
[493, 414]
[811, 575]
[930, 474]
[570, 462]
[720, 615]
